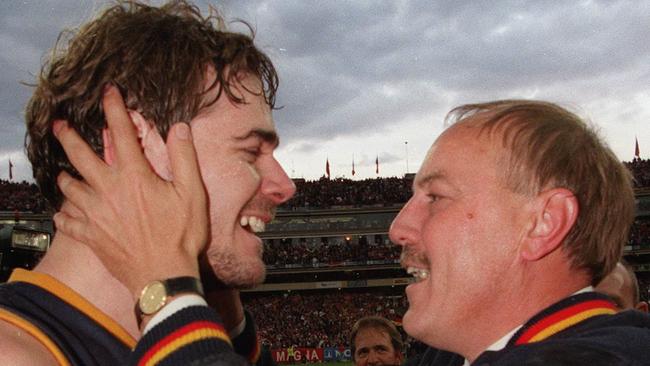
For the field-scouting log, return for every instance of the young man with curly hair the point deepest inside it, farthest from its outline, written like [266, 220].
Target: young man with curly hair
[183, 77]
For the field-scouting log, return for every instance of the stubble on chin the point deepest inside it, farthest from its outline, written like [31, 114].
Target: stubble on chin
[239, 273]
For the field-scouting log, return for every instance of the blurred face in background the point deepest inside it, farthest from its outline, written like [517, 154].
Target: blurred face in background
[621, 287]
[374, 348]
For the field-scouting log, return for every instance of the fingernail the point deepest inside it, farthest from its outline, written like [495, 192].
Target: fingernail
[183, 131]
[62, 180]
[108, 88]
[57, 126]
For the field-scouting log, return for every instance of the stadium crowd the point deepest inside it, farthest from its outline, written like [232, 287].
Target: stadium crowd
[318, 319]
[640, 169]
[640, 234]
[300, 253]
[320, 194]
[21, 197]
[327, 193]
[644, 288]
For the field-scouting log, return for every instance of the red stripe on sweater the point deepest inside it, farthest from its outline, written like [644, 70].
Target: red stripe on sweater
[561, 315]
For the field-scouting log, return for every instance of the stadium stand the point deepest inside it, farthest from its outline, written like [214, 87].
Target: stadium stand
[339, 192]
[329, 259]
[319, 194]
[329, 251]
[640, 169]
[21, 197]
[320, 319]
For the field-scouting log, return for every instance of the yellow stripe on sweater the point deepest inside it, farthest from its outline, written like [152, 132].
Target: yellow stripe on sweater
[28, 327]
[184, 340]
[71, 297]
[575, 319]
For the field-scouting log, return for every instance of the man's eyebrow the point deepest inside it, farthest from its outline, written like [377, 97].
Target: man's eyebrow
[433, 176]
[268, 136]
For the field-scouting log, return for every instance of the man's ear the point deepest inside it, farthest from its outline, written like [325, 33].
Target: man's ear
[152, 144]
[555, 213]
[642, 306]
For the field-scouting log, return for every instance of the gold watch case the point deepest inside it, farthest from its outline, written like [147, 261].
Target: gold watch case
[153, 297]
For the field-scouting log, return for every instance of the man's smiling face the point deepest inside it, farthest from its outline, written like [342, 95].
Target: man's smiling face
[235, 143]
[459, 233]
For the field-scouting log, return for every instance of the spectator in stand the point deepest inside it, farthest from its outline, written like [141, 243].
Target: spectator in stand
[622, 286]
[375, 341]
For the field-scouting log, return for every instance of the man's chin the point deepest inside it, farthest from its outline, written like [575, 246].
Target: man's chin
[408, 324]
[240, 276]
[245, 282]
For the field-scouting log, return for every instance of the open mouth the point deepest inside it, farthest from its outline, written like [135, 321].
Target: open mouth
[418, 273]
[416, 264]
[252, 223]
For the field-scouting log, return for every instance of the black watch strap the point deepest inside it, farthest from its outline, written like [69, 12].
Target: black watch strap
[179, 285]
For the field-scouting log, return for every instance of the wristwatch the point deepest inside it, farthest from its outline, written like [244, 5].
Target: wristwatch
[155, 294]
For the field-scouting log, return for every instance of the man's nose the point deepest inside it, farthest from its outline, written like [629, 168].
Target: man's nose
[372, 358]
[276, 184]
[404, 229]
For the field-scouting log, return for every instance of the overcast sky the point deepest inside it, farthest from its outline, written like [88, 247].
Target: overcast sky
[362, 78]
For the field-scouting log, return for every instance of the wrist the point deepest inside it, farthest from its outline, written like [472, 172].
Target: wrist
[155, 271]
[175, 304]
[155, 295]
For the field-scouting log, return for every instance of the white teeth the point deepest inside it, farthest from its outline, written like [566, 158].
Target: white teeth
[258, 225]
[418, 273]
[254, 223]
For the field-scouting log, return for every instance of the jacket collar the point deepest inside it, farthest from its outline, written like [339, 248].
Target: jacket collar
[563, 315]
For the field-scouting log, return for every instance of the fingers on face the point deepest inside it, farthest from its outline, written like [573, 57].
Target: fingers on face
[183, 160]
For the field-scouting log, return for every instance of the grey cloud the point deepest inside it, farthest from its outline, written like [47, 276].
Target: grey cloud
[388, 158]
[333, 61]
[357, 68]
[303, 147]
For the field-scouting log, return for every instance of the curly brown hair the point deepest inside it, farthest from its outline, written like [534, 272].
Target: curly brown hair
[156, 56]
